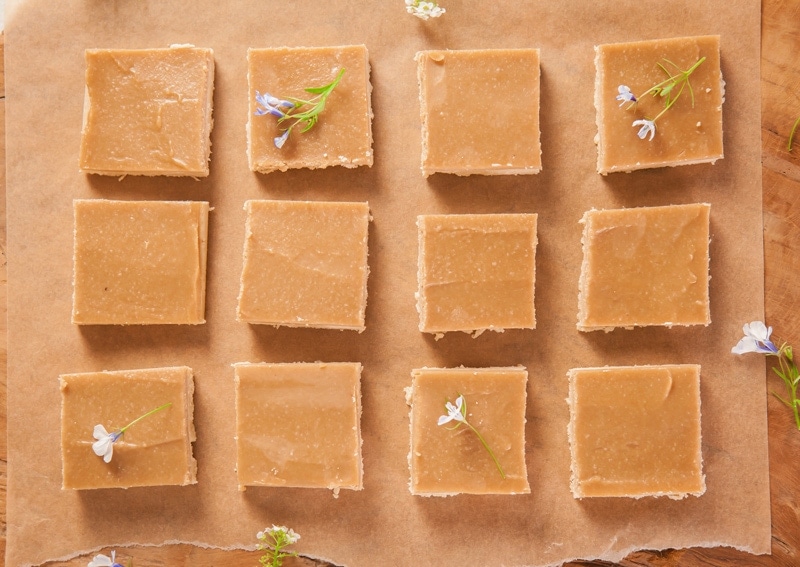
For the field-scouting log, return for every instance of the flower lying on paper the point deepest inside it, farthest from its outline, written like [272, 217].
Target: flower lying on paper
[291, 109]
[101, 560]
[273, 541]
[424, 10]
[792, 133]
[458, 412]
[669, 89]
[104, 444]
[757, 339]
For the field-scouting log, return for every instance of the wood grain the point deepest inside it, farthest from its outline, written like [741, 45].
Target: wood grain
[780, 90]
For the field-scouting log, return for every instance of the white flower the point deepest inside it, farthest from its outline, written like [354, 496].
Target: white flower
[280, 140]
[756, 339]
[287, 535]
[454, 412]
[101, 560]
[104, 446]
[646, 126]
[423, 10]
[625, 95]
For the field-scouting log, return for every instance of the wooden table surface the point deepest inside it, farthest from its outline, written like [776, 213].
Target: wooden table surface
[780, 92]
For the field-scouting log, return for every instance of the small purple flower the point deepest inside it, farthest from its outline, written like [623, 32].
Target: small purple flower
[646, 126]
[756, 339]
[625, 95]
[271, 104]
[280, 140]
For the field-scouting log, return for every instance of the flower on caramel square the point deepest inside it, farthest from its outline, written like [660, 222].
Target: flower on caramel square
[305, 264]
[298, 425]
[284, 129]
[646, 266]
[659, 103]
[139, 262]
[476, 272]
[635, 431]
[480, 111]
[148, 111]
[142, 418]
[468, 431]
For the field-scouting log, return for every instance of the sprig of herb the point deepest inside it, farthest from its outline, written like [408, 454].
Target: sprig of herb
[666, 89]
[294, 112]
[424, 10]
[791, 134]
[458, 413]
[104, 446]
[274, 540]
[756, 339]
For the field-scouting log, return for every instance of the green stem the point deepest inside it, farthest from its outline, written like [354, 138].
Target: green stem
[141, 417]
[791, 135]
[486, 446]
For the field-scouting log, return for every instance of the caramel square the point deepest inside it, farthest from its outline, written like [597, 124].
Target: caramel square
[635, 431]
[687, 133]
[445, 460]
[139, 262]
[476, 272]
[305, 264]
[148, 111]
[645, 266]
[298, 425]
[480, 111]
[155, 451]
[343, 134]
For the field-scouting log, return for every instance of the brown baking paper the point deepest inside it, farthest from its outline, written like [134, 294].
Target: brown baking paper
[383, 524]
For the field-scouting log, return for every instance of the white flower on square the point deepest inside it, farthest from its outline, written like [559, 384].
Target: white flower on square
[454, 412]
[646, 126]
[104, 446]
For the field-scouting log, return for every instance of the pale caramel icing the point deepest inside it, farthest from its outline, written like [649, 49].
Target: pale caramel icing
[687, 133]
[645, 266]
[139, 262]
[148, 111]
[343, 133]
[298, 425]
[444, 461]
[305, 264]
[476, 272]
[480, 111]
[635, 431]
[155, 451]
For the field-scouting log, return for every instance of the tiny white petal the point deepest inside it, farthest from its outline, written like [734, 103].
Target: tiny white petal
[101, 560]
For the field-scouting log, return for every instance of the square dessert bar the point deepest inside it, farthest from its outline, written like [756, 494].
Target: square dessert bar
[156, 450]
[689, 132]
[445, 460]
[305, 264]
[480, 111]
[298, 425]
[635, 431]
[476, 272]
[343, 134]
[139, 262]
[148, 111]
[645, 266]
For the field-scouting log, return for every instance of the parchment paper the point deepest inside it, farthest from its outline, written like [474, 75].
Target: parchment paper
[383, 524]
